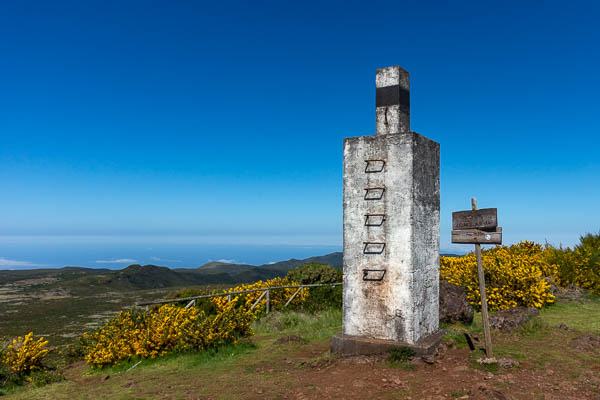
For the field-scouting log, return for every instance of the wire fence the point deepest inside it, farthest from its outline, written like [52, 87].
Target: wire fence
[266, 293]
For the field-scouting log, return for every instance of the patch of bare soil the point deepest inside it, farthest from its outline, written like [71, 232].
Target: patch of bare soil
[451, 375]
[308, 371]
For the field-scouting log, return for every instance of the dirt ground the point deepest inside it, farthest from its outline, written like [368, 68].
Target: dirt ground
[307, 371]
[450, 376]
[555, 355]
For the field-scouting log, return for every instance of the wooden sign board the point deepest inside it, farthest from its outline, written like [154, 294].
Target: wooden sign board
[478, 227]
[485, 219]
[475, 236]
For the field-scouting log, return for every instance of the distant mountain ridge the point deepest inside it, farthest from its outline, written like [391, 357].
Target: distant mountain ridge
[137, 277]
[244, 273]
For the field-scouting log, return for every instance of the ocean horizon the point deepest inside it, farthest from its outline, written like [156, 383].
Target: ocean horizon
[116, 252]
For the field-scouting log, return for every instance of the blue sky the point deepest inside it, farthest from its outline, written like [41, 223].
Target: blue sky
[225, 120]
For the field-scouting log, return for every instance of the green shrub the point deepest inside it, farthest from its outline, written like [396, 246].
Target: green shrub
[4, 374]
[315, 273]
[563, 261]
[321, 297]
[401, 354]
[579, 266]
[400, 357]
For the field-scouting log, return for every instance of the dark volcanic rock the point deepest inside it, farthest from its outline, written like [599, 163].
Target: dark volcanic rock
[454, 305]
[511, 319]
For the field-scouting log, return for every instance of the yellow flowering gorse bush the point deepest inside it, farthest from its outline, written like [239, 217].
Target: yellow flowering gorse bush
[26, 354]
[154, 333]
[277, 298]
[514, 276]
[172, 328]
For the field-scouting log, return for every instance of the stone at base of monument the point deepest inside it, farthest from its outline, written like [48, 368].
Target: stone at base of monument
[347, 345]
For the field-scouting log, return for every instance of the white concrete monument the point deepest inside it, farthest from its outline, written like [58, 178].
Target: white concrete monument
[391, 230]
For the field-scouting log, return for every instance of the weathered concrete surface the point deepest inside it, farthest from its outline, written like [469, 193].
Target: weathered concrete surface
[346, 345]
[403, 306]
[392, 103]
[391, 229]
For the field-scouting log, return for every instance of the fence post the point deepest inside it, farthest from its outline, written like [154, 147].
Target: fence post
[268, 301]
[292, 298]
[258, 300]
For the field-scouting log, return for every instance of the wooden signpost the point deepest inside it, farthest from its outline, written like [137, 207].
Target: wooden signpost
[478, 227]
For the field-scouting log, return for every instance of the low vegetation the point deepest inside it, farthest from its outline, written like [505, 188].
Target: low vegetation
[550, 359]
[579, 266]
[321, 297]
[26, 354]
[277, 298]
[218, 329]
[514, 276]
[308, 326]
[24, 361]
[175, 329]
[315, 273]
[168, 329]
[523, 274]
[401, 357]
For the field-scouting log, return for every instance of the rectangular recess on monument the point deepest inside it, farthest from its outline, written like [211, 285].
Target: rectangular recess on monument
[374, 248]
[374, 166]
[373, 275]
[374, 219]
[374, 193]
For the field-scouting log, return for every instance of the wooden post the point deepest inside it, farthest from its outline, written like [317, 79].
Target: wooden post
[484, 310]
[258, 300]
[191, 303]
[292, 298]
[268, 302]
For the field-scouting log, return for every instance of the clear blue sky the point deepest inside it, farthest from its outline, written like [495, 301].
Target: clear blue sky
[225, 120]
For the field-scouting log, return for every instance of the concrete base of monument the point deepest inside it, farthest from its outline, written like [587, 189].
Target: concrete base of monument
[347, 345]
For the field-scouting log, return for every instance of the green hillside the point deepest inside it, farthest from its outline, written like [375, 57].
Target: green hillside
[216, 267]
[333, 259]
[79, 280]
[242, 273]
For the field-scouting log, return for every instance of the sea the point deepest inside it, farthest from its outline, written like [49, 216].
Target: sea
[30, 252]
